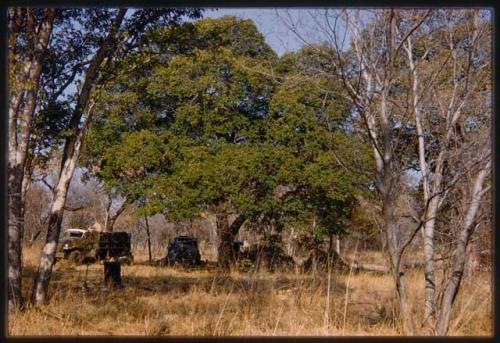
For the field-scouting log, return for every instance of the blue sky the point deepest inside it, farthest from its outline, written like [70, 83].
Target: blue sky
[276, 33]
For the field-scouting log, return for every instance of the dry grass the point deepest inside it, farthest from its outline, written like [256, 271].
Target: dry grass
[164, 301]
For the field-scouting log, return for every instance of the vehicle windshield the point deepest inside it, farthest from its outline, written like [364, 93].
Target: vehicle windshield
[185, 240]
[74, 234]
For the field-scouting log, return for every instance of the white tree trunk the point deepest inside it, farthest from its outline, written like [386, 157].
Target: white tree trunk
[379, 131]
[460, 250]
[69, 159]
[430, 202]
[20, 119]
[433, 194]
[47, 258]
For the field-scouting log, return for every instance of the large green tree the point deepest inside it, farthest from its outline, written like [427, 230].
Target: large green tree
[321, 164]
[201, 104]
[221, 125]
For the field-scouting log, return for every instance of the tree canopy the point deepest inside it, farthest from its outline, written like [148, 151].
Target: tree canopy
[230, 128]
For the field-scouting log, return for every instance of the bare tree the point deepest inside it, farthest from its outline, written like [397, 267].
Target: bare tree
[410, 77]
[458, 69]
[469, 221]
[111, 204]
[370, 78]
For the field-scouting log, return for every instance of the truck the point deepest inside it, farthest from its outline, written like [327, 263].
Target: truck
[83, 246]
[182, 250]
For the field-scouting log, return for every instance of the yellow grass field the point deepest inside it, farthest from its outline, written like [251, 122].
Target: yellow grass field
[159, 301]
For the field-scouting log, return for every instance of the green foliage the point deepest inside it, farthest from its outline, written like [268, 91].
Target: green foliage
[202, 124]
[306, 128]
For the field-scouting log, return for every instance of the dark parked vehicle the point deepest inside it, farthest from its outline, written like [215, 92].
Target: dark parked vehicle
[85, 246]
[183, 250]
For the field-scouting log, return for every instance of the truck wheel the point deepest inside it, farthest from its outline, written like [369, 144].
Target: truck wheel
[76, 257]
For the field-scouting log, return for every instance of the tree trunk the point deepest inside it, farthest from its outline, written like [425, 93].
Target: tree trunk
[227, 233]
[430, 203]
[42, 278]
[16, 231]
[110, 220]
[386, 179]
[19, 137]
[429, 262]
[47, 258]
[112, 275]
[109, 224]
[149, 239]
[397, 267]
[432, 196]
[404, 301]
[459, 254]
[71, 152]
[225, 241]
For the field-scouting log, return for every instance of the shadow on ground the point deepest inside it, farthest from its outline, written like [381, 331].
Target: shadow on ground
[181, 281]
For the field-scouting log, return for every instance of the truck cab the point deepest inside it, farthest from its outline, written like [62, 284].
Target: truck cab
[86, 246]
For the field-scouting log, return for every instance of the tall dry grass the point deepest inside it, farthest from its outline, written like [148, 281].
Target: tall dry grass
[160, 301]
